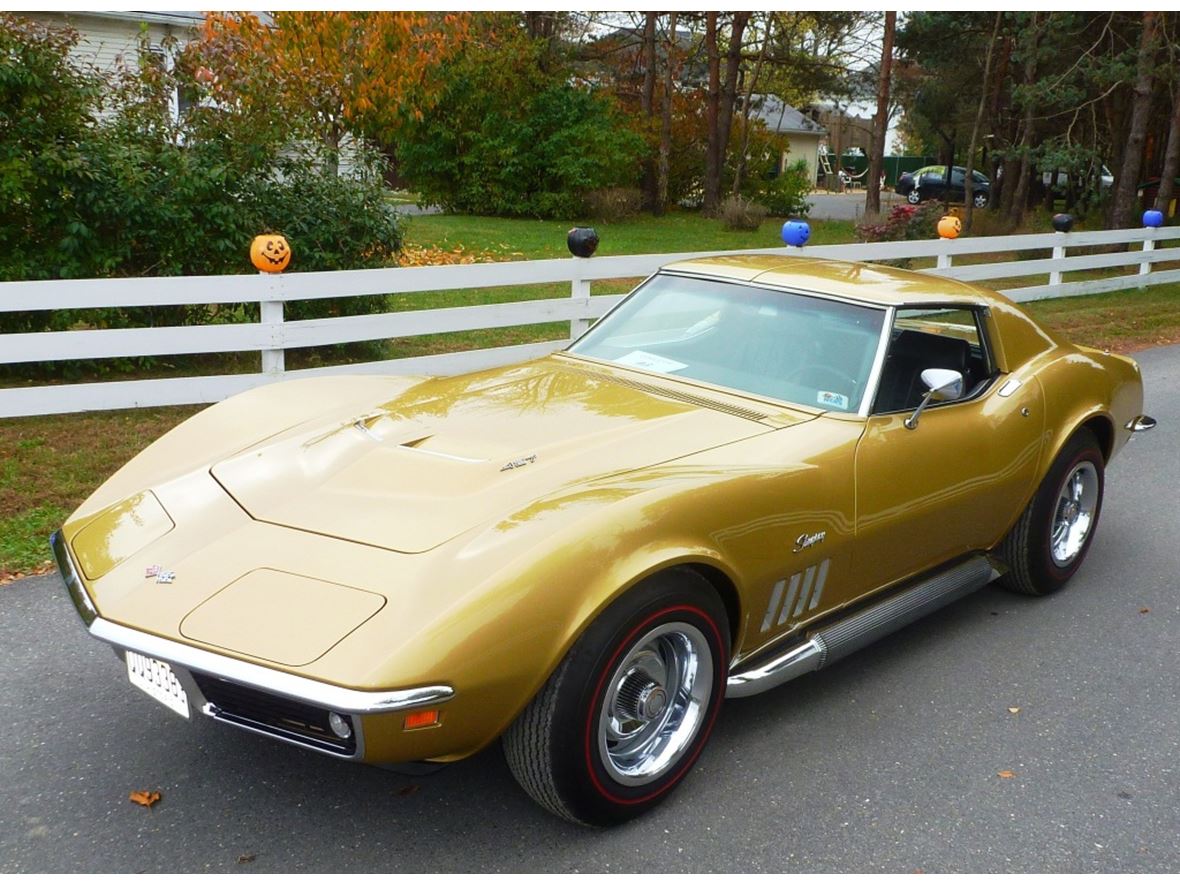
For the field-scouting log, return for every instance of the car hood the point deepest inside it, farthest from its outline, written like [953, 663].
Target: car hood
[453, 453]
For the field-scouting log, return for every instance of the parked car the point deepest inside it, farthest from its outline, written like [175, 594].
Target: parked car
[929, 183]
[752, 467]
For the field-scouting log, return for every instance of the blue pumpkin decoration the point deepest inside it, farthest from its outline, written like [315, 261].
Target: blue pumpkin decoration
[582, 241]
[796, 232]
[1062, 223]
[1153, 218]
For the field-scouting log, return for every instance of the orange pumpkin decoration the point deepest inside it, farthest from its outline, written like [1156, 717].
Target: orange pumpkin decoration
[270, 253]
[949, 227]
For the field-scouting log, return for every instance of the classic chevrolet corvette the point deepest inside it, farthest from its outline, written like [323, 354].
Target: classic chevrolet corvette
[750, 468]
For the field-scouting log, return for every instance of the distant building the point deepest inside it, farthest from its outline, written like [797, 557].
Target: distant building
[803, 134]
[845, 131]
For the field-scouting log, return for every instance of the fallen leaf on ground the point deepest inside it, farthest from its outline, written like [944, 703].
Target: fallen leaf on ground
[146, 798]
[1144, 611]
[409, 790]
[1013, 709]
[246, 858]
[1006, 774]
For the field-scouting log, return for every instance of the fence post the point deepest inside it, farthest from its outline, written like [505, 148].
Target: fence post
[1145, 266]
[580, 292]
[271, 314]
[944, 257]
[1058, 255]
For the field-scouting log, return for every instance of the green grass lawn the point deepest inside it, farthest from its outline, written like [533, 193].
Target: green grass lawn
[49, 464]
[677, 231]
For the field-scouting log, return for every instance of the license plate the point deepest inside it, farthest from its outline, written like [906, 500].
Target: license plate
[157, 679]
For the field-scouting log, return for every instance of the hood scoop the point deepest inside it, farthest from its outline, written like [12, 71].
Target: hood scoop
[419, 470]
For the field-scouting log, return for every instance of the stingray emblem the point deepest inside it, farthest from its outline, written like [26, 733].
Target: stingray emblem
[805, 540]
[519, 462]
[162, 575]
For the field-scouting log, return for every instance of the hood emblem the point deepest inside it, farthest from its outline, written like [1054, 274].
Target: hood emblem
[519, 462]
[162, 575]
[805, 540]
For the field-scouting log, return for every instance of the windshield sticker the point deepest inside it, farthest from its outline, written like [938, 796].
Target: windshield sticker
[641, 359]
[832, 400]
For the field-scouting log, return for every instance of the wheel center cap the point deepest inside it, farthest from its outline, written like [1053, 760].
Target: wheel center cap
[652, 701]
[1071, 512]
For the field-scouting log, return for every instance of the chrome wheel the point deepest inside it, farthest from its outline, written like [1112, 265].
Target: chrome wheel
[1074, 514]
[655, 703]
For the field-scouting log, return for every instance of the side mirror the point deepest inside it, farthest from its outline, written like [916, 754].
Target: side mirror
[943, 384]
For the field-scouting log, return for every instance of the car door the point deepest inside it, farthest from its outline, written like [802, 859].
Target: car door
[958, 188]
[959, 478]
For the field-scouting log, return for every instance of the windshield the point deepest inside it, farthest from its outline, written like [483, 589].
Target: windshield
[796, 348]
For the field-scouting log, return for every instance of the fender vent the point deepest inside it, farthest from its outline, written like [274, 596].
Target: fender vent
[669, 393]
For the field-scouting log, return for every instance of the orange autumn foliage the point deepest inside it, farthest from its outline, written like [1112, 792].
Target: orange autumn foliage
[360, 72]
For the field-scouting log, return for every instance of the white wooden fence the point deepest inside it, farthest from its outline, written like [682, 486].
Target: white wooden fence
[272, 335]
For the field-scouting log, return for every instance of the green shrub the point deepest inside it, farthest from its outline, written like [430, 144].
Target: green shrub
[785, 195]
[135, 193]
[516, 150]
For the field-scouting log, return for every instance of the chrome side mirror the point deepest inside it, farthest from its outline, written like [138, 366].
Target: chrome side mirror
[943, 384]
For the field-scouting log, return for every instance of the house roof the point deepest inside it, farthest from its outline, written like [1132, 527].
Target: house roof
[781, 117]
[169, 17]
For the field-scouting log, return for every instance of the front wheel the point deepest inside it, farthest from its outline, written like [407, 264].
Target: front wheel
[980, 200]
[628, 710]
[913, 197]
[1049, 541]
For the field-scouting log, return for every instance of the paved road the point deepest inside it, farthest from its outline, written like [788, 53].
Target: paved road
[887, 761]
[847, 206]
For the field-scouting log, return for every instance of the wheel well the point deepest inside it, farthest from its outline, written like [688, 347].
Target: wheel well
[1103, 430]
[728, 593]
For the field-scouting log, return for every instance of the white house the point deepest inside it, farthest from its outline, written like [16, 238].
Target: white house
[108, 39]
[803, 133]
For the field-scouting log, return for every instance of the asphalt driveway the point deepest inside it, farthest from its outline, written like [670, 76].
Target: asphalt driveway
[1000, 734]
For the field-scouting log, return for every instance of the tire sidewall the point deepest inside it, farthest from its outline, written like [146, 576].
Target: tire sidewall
[1082, 448]
[588, 788]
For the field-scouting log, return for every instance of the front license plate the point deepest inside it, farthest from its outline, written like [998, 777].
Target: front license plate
[157, 679]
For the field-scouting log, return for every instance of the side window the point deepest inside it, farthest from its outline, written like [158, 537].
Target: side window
[932, 338]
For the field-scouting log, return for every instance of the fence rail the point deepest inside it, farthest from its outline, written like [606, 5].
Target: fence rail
[273, 335]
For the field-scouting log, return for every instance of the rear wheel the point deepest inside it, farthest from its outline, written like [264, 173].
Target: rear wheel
[629, 709]
[913, 197]
[1050, 540]
[979, 199]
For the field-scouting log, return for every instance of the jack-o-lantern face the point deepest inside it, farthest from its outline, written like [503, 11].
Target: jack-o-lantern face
[949, 227]
[270, 253]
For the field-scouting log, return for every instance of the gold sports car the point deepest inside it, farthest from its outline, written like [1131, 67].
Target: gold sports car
[748, 469]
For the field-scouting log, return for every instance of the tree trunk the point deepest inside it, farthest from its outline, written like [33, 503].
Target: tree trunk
[666, 120]
[1019, 202]
[1171, 160]
[739, 165]
[969, 172]
[881, 121]
[1128, 179]
[733, 65]
[712, 183]
[647, 104]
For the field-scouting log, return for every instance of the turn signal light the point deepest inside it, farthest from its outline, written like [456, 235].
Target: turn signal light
[421, 719]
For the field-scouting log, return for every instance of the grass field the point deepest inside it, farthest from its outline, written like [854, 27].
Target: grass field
[49, 464]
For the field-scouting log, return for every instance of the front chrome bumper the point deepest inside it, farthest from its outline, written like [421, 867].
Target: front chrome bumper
[186, 660]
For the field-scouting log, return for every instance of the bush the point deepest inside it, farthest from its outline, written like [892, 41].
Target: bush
[904, 222]
[614, 203]
[738, 213]
[134, 193]
[785, 195]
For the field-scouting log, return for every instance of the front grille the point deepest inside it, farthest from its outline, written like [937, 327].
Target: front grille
[274, 715]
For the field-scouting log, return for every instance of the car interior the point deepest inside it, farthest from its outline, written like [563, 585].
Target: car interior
[912, 351]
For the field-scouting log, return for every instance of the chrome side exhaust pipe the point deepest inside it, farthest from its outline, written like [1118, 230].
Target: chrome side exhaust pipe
[853, 633]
